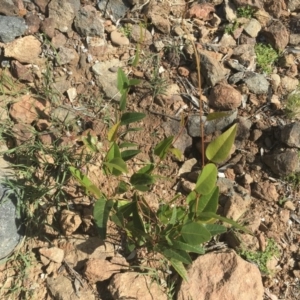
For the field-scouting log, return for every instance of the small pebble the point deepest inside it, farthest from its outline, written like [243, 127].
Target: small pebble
[289, 205]
[119, 39]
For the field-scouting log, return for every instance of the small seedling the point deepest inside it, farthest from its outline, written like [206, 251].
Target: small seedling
[292, 107]
[266, 57]
[230, 28]
[245, 12]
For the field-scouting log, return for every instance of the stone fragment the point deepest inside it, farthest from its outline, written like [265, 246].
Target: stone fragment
[64, 115]
[187, 166]
[25, 50]
[224, 97]
[101, 269]
[212, 70]
[141, 35]
[67, 56]
[263, 17]
[275, 82]
[289, 84]
[294, 39]
[54, 254]
[227, 40]
[22, 72]
[215, 276]
[230, 11]
[290, 135]
[33, 23]
[265, 191]
[72, 94]
[88, 22]
[257, 83]
[245, 54]
[293, 5]
[42, 4]
[69, 221]
[282, 164]
[62, 288]
[243, 131]
[159, 17]
[11, 27]
[277, 35]
[251, 3]
[22, 133]
[119, 39]
[202, 11]
[59, 40]
[48, 27]
[252, 28]
[114, 9]
[138, 284]
[63, 13]
[8, 8]
[289, 205]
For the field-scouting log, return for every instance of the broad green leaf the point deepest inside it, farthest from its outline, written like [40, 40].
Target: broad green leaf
[134, 81]
[142, 188]
[133, 129]
[85, 182]
[128, 154]
[122, 81]
[194, 233]
[162, 148]
[226, 220]
[91, 142]
[122, 187]
[187, 247]
[118, 219]
[192, 196]
[113, 131]
[217, 115]
[209, 202]
[218, 150]
[215, 229]
[113, 152]
[101, 213]
[207, 179]
[177, 254]
[174, 215]
[118, 164]
[136, 218]
[127, 145]
[141, 179]
[179, 267]
[123, 101]
[177, 153]
[131, 117]
[146, 169]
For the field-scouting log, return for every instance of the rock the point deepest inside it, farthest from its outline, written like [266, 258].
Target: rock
[282, 164]
[33, 23]
[245, 54]
[72, 94]
[230, 11]
[25, 50]
[243, 131]
[289, 84]
[54, 254]
[48, 27]
[22, 133]
[119, 39]
[106, 79]
[22, 72]
[11, 230]
[252, 28]
[138, 283]
[115, 9]
[290, 135]
[67, 56]
[8, 8]
[42, 4]
[59, 40]
[159, 17]
[227, 40]
[263, 17]
[212, 70]
[257, 83]
[88, 22]
[202, 11]
[141, 35]
[294, 39]
[63, 13]
[29, 109]
[275, 82]
[277, 35]
[63, 115]
[293, 5]
[101, 269]
[224, 97]
[251, 3]
[265, 191]
[11, 27]
[215, 275]
[289, 205]
[69, 221]
[62, 288]
[187, 166]
[211, 126]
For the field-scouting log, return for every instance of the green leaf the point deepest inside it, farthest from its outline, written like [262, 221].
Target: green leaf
[177, 153]
[122, 187]
[218, 150]
[191, 197]
[128, 154]
[177, 254]
[123, 101]
[229, 221]
[217, 115]
[162, 148]
[174, 215]
[113, 131]
[122, 81]
[113, 152]
[131, 117]
[187, 247]
[141, 179]
[142, 188]
[85, 182]
[127, 145]
[118, 164]
[209, 202]
[179, 268]
[134, 81]
[207, 179]
[118, 219]
[146, 169]
[215, 229]
[101, 213]
[194, 233]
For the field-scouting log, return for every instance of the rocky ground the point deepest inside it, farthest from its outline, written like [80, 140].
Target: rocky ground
[59, 62]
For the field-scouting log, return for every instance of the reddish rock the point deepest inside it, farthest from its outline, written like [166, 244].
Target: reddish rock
[203, 11]
[69, 221]
[159, 16]
[251, 3]
[224, 97]
[264, 190]
[54, 254]
[33, 22]
[222, 275]
[22, 72]
[42, 4]
[48, 27]
[277, 35]
[22, 133]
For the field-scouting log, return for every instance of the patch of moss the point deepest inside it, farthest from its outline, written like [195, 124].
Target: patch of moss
[266, 57]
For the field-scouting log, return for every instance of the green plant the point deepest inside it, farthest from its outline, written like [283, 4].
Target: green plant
[174, 230]
[266, 57]
[292, 106]
[126, 30]
[245, 12]
[261, 258]
[230, 28]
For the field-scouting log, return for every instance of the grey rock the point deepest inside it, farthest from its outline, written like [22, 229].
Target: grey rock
[235, 78]
[243, 131]
[63, 115]
[235, 65]
[219, 124]
[282, 164]
[245, 54]
[107, 79]
[8, 8]
[253, 28]
[212, 70]
[257, 83]
[290, 135]
[115, 9]
[289, 84]
[293, 5]
[11, 230]
[67, 56]
[11, 27]
[139, 35]
[294, 39]
[88, 22]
